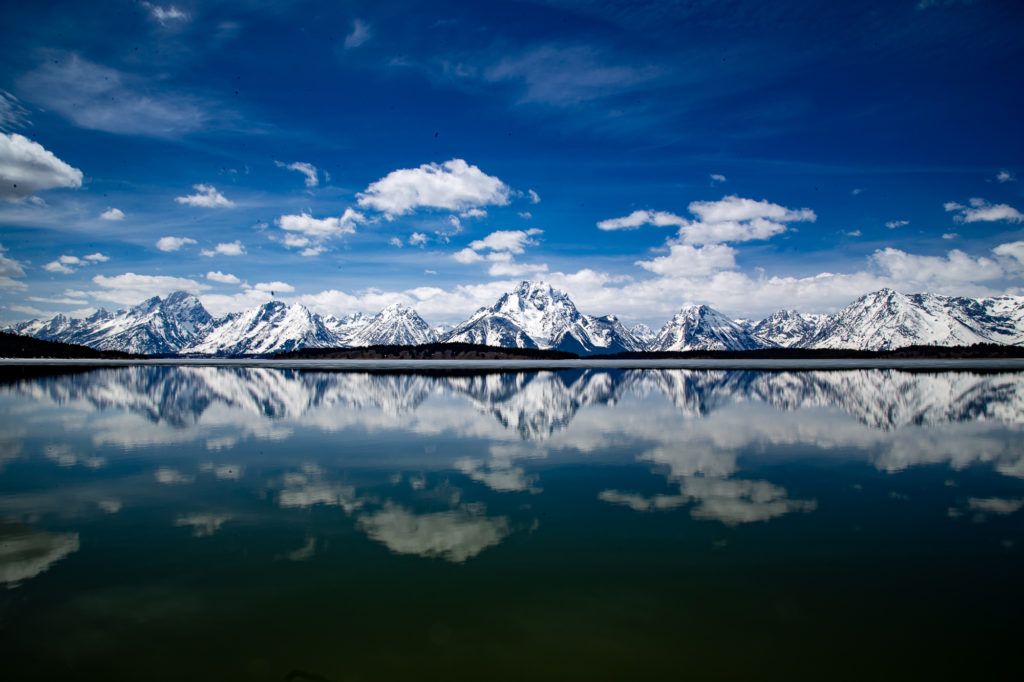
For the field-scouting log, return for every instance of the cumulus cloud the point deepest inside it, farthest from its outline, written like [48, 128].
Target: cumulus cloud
[504, 265]
[173, 243]
[717, 178]
[638, 219]
[1005, 176]
[10, 269]
[467, 256]
[980, 210]
[360, 34]
[320, 228]
[692, 261]
[307, 169]
[130, 288]
[534, 197]
[235, 248]
[26, 167]
[222, 277]
[418, 239]
[112, 214]
[731, 219]
[1012, 249]
[101, 98]
[273, 287]
[950, 235]
[893, 224]
[206, 196]
[513, 241]
[66, 264]
[454, 186]
[395, 241]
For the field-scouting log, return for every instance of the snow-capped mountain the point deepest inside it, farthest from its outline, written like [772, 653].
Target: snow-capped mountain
[154, 326]
[887, 319]
[642, 333]
[274, 327]
[786, 329]
[698, 327]
[534, 315]
[396, 325]
[345, 327]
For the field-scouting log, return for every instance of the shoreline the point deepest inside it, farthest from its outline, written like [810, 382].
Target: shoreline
[778, 364]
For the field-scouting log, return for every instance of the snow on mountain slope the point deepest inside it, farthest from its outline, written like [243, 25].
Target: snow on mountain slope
[886, 319]
[698, 327]
[396, 325]
[346, 327]
[536, 315]
[786, 329]
[271, 328]
[642, 333]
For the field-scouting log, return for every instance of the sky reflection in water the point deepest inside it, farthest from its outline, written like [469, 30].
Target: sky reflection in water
[260, 517]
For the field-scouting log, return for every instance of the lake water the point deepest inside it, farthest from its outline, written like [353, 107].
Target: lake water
[187, 523]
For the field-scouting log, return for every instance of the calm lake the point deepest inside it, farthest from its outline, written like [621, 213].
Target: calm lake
[206, 523]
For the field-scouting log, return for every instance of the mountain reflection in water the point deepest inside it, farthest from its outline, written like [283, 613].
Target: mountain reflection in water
[120, 487]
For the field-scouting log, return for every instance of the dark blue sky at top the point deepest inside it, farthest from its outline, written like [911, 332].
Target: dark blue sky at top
[866, 113]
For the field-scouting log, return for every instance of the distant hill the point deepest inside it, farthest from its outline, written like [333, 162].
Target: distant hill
[17, 346]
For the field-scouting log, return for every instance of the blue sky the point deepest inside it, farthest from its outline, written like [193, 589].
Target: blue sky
[639, 156]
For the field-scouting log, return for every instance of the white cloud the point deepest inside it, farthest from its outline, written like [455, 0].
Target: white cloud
[9, 267]
[473, 213]
[956, 266]
[312, 251]
[112, 214]
[1005, 176]
[534, 197]
[467, 256]
[454, 185]
[418, 239]
[731, 219]
[223, 278]
[734, 208]
[100, 98]
[717, 178]
[173, 243]
[206, 196]
[360, 34]
[307, 169]
[26, 167]
[66, 264]
[320, 228]
[1012, 249]
[950, 235]
[130, 288]
[166, 15]
[513, 241]
[395, 241]
[980, 210]
[893, 224]
[504, 265]
[274, 287]
[853, 233]
[638, 219]
[235, 248]
[59, 301]
[691, 261]
[525, 215]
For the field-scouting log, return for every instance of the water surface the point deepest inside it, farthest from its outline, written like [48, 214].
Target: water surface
[170, 523]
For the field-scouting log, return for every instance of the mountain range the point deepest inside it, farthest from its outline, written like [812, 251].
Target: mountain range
[535, 315]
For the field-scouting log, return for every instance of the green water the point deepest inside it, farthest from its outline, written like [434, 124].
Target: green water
[263, 524]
